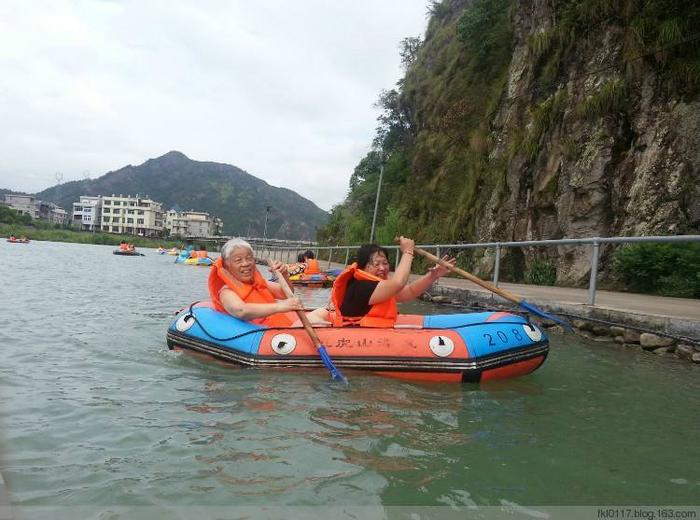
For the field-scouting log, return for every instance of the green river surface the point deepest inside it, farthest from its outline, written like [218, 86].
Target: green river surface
[96, 411]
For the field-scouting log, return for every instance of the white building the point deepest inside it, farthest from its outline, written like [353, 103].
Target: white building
[175, 224]
[87, 213]
[53, 213]
[192, 224]
[26, 204]
[132, 215]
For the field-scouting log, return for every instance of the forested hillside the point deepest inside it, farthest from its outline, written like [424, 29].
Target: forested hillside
[223, 190]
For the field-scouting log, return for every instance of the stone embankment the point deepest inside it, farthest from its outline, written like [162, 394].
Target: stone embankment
[657, 334]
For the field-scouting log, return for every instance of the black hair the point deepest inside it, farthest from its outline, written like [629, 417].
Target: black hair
[301, 257]
[309, 254]
[364, 254]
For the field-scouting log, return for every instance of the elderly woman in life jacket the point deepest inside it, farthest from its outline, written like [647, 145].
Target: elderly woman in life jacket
[236, 287]
[364, 293]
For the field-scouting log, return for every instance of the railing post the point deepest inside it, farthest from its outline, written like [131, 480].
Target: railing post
[594, 272]
[347, 256]
[398, 254]
[330, 255]
[437, 253]
[497, 265]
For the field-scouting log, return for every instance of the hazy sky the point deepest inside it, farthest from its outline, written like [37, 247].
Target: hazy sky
[282, 89]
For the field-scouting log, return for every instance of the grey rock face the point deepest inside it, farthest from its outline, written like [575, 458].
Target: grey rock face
[633, 171]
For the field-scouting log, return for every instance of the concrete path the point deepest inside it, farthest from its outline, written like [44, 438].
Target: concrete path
[626, 302]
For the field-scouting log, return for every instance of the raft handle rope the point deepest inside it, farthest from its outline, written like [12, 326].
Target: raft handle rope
[191, 313]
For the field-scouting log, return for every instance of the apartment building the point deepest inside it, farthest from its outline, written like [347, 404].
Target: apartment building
[193, 224]
[53, 213]
[26, 204]
[132, 215]
[87, 213]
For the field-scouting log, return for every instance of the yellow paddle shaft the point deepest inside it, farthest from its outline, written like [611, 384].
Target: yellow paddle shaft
[478, 281]
[302, 315]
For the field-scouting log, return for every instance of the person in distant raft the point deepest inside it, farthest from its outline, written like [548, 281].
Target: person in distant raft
[236, 287]
[363, 294]
[312, 265]
[298, 267]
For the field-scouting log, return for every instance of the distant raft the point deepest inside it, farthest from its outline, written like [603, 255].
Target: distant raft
[312, 280]
[126, 253]
[203, 262]
[456, 348]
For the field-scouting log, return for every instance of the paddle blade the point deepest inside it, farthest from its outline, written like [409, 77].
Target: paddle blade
[335, 373]
[539, 312]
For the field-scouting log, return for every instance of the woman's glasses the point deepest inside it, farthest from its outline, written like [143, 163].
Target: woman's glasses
[239, 260]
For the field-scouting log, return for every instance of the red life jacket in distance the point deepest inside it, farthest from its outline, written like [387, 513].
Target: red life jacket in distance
[312, 266]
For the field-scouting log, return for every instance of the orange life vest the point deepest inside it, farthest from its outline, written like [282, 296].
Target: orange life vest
[380, 315]
[257, 292]
[203, 254]
[312, 266]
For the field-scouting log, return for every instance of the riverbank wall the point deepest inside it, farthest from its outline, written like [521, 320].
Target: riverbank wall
[655, 333]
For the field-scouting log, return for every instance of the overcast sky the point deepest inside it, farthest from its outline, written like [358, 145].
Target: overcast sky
[282, 89]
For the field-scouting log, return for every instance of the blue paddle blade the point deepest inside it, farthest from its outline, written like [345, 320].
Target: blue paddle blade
[335, 373]
[539, 312]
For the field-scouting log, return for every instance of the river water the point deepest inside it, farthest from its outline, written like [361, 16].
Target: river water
[96, 411]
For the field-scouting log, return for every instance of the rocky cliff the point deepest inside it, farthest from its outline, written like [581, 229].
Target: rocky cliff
[541, 119]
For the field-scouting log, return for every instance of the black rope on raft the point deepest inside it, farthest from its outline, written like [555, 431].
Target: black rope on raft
[190, 312]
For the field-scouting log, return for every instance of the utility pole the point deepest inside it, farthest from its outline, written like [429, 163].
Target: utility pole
[379, 190]
[267, 214]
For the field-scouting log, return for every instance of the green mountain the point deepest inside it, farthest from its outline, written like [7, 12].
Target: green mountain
[223, 190]
[525, 120]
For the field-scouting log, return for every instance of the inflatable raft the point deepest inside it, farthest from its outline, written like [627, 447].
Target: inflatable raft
[312, 280]
[18, 241]
[127, 253]
[457, 348]
[194, 261]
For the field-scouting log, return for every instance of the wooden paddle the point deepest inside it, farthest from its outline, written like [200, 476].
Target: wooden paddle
[497, 290]
[336, 375]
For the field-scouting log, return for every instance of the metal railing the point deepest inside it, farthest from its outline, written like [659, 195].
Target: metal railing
[288, 254]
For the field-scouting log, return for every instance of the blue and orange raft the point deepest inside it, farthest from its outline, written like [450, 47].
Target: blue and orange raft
[471, 347]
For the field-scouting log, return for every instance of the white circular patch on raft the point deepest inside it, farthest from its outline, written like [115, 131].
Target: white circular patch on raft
[184, 322]
[533, 332]
[441, 346]
[283, 344]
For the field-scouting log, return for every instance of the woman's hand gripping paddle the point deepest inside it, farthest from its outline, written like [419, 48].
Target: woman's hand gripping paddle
[336, 375]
